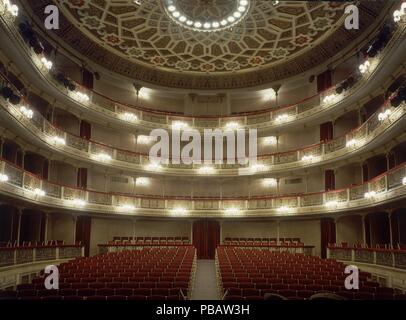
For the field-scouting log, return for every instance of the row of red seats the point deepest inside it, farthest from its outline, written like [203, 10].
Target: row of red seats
[113, 285]
[241, 276]
[85, 277]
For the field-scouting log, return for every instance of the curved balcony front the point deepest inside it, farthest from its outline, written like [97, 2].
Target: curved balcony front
[22, 185]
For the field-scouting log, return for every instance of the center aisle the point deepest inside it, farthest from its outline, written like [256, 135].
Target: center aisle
[205, 282]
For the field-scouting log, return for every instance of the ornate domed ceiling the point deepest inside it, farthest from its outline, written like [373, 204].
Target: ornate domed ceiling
[187, 44]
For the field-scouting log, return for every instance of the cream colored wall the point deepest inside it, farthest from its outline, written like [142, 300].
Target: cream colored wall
[63, 173]
[348, 175]
[169, 228]
[104, 229]
[61, 227]
[307, 230]
[113, 137]
[349, 229]
[248, 229]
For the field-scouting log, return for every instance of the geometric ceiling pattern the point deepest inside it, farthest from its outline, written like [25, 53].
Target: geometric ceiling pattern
[144, 33]
[139, 39]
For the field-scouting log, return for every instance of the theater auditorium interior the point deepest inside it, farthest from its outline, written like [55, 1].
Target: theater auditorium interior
[174, 150]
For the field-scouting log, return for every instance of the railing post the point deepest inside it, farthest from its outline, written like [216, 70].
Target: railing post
[34, 254]
[374, 257]
[57, 253]
[352, 255]
[15, 257]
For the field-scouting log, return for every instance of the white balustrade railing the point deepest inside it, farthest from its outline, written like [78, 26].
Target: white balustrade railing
[77, 198]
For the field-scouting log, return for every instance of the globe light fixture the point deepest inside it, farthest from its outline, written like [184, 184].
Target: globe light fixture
[207, 23]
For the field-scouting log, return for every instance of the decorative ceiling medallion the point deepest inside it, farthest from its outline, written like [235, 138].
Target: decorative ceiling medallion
[207, 15]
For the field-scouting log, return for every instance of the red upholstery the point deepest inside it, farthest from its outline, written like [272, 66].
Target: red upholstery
[155, 272]
[294, 276]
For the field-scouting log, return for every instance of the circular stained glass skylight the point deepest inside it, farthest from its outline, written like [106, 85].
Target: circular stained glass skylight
[207, 15]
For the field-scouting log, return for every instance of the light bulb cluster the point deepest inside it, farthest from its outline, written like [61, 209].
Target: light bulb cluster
[182, 19]
[399, 14]
[141, 139]
[59, 140]
[232, 125]
[332, 203]
[404, 181]
[153, 166]
[81, 97]
[364, 67]
[270, 141]
[382, 116]
[258, 167]
[269, 182]
[308, 158]
[11, 8]
[206, 170]
[351, 143]
[78, 202]
[283, 209]
[3, 177]
[46, 63]
[39, 192]
[282, 118]
[103, 157]
[179, 211]
[27, 112]
[370, 195]
[129, 117]
[329, 98]
[127, 208]
[232, 211]
[142, 181]
[179, 125]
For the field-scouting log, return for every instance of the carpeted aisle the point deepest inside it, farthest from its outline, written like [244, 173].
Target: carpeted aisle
[205, 283]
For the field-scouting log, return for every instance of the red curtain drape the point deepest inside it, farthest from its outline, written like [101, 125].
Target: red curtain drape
[87, 79]
[329, 180]
[326, 131]
[324, 80]
[85, 130]
[82, 178]
[206, 238]
[328, 234]
[83, 230]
